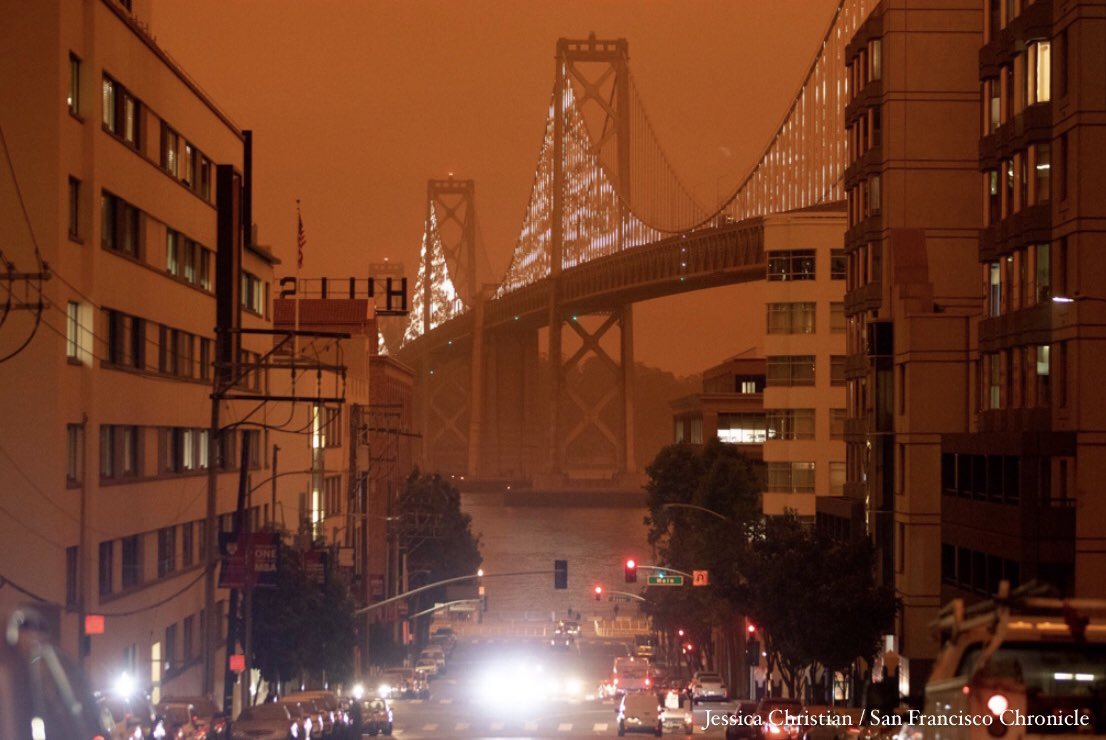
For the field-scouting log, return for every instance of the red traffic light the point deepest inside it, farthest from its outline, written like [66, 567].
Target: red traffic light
[752, 628]
[631, 571]
[681, 633]
[598, 592]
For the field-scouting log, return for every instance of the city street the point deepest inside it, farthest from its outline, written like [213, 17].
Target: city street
[518, 671]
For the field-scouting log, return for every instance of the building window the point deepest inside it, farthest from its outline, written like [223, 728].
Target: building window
[169, 659]
[791, 318]
[132, 561]
[73, 330]
[72, 575]
[166, 551]
[994, 293]
[118, 451]
[789, 370]
[332, 495]
[252, 293]
[170, 147]
[126, 339]
[795, 264]
[73, 99]
[790, 477]
[837, 370]
[122, 112]
[119, 227]
[74, 453]
[1039, 72]
[1042, 170]
[107, 551]
[741, 429]
[74, 208]
[189, 628]
[837, 478]
[875, 59]
[790, 424]
[873, 197]
[837, 317]
[993, 100]
[837, 423]
[187, 545]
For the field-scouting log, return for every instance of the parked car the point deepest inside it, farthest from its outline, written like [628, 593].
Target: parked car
[676, 716]
[707, 686]
[126, 718]
[743, 724]
[273, 721]
[435, 652]
[304, 719]
[323, 722]
[377, 716]
[201, 711]
[640, 713]
[428, 666]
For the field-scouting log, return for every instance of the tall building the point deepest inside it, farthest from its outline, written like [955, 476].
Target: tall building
[804, 347]
[730, 406]
[913, 291]
[121, 186]
[1020, 487]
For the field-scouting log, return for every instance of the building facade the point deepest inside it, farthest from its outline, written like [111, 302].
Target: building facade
[730, 407]
[126, 190]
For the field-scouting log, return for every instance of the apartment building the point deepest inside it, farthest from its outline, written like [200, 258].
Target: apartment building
[123, 172]
[912, 291]
[1020, 499]
[804, 348]
[730, 406]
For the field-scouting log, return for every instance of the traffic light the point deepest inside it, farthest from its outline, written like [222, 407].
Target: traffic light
[598, 593]
[484, 603]
[631, 571]
[560, 574]
[751, 629]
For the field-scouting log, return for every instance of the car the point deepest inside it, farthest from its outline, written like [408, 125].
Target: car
[640, 713]
[631, 674]
[774, 715]
[271, 721]
[127, 717]
[428, 666]
[328, 719]
[303, 717]
[435, 652]
[1028, 654]
[743, 722]
[676, 716]
[403, 683]
[203, 712]
[562, 640]
[571, 627]
[179, 720]
[377, 717]
[707, 686]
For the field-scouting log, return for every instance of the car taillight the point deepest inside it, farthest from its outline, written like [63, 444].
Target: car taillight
[648, 682]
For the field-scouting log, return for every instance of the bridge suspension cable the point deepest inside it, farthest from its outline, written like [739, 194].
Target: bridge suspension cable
[435, 299]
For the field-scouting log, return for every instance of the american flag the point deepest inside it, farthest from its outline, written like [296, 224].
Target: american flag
[301, 238]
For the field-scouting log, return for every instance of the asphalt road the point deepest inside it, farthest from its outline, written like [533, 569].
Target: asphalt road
[521, 687]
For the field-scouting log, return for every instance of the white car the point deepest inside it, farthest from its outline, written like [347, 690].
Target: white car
[675, 716]
[708, 687]
[427, 665]
[436, 654]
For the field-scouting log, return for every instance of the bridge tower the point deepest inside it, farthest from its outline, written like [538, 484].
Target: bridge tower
[592, 78]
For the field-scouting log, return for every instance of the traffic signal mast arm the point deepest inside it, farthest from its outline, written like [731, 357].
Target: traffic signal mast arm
[663, 570]
[458, 579]
[635, 597]
[439, 607]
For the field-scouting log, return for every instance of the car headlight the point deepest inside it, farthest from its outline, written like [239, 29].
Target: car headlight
[384, 690]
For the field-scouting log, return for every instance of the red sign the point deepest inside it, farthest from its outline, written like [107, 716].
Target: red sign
[252, 560]
[237, 663]
[94, 624]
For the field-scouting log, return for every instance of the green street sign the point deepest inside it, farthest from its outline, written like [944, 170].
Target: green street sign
[665, 580]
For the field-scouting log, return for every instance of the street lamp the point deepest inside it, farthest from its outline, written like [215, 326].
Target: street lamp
[712, 512]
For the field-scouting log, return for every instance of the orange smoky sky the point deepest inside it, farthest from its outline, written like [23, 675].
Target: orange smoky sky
[355, 105]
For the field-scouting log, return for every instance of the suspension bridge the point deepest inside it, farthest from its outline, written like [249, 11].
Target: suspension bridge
[608, 223]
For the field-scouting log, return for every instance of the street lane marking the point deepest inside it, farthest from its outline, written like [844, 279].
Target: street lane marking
[564, 727]
[429, 728]
[530, 727]
[599, 727]
[497, 726]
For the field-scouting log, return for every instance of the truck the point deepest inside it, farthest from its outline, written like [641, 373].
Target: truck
[1019, 666]
[630, 675]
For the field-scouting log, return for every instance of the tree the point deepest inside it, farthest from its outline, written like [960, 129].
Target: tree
[437, 534]
[303, 627]
[815, 599]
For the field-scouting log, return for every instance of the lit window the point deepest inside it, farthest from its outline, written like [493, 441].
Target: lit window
[875, 59]
[73, 99]
[172, 252]
[1037, 77]
[72, 330]
[742, 429]
[170, 143]
[795, 264]
[1042, 169]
